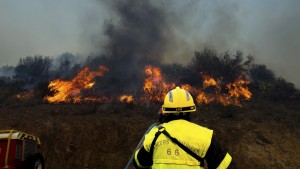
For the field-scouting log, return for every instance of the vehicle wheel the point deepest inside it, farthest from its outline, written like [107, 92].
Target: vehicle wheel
[35, 161]
[38, 164]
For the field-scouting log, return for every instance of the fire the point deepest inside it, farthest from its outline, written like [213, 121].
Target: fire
[154, 78]
[126, 98]
[155, 88]
[25, 95]
[235, 91]
[208, 81]
[66, 91]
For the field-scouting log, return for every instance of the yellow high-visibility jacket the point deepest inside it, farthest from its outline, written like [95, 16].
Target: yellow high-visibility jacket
[167, 154]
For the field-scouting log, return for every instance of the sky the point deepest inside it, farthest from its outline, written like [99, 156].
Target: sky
[266, 29]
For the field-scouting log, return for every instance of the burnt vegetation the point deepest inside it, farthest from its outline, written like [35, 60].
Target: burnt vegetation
[33, 73]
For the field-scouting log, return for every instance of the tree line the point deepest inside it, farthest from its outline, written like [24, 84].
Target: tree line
[32, 71]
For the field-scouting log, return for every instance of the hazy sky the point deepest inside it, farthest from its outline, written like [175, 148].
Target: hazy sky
[266, 29]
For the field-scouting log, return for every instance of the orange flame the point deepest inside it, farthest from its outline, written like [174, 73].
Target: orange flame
[235, 91]
[126, 98]
[154, 85]
[208, 81]
[155, 88]
[25, 95]
[66, 91]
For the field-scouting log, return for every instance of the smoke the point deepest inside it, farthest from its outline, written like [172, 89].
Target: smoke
[155, 33]
[140, 37]
[271, 32]
[135, 32]
[142, 32]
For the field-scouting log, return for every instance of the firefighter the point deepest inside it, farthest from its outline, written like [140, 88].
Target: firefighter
[178, 143]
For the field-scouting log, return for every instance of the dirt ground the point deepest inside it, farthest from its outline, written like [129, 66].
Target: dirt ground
[96, 136]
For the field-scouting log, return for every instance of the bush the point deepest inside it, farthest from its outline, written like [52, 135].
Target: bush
[33, 70]
[226, 67]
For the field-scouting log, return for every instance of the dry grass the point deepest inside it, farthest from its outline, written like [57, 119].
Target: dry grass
[90, 136]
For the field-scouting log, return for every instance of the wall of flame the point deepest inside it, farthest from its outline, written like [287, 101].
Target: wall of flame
[154, 89]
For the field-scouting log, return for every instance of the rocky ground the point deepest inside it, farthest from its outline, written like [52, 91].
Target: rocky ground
[92, 136]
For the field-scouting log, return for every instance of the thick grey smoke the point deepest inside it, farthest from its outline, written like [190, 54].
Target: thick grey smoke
[165, 31]
[140, 37]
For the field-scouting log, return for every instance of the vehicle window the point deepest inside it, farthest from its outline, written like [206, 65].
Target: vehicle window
[30, 147]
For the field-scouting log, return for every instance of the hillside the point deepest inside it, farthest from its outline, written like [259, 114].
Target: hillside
[262, 134]
[89, 77]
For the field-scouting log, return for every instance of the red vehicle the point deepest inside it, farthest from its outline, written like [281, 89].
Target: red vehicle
[19, 150]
